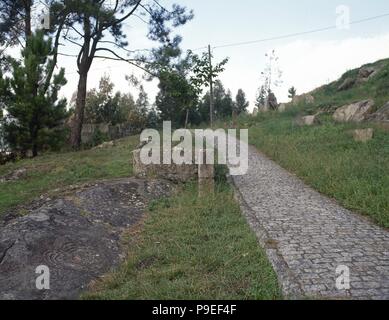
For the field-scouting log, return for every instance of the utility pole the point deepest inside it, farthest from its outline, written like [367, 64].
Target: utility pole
[211, 104]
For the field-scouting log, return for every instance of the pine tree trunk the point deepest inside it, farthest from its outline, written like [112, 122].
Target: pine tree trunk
[75, 138]
[34, 150]
[27, 20]
[84, 63]
[34, 138]
[187, 119]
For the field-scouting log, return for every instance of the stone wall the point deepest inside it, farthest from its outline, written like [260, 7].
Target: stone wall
[112, 132]
[171, 172]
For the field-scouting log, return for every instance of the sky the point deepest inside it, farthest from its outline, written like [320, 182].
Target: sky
[307, 61]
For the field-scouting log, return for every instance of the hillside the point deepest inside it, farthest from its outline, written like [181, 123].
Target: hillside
[324, 153]
[371, 81]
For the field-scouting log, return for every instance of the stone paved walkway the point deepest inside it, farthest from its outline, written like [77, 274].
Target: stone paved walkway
[307, 235]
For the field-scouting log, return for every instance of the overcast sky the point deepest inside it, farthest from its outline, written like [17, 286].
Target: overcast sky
[307, 61]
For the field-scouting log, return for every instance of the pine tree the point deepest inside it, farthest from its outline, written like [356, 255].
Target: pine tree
[153, 119]
[33, 112]
[292, 92]
[142, 102]
[100, 19]
[260, 101]
[15, 21]
[226, 106]
[241, 104]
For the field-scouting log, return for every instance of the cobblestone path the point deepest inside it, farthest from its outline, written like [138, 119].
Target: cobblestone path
[307, 236]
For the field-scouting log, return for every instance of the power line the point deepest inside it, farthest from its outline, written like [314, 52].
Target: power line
[95, 69]
[292, 35]
[198, 49]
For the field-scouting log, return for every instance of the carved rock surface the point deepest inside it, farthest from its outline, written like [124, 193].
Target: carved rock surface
[78, 237]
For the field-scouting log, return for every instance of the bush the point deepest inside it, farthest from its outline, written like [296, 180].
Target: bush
[98, 139]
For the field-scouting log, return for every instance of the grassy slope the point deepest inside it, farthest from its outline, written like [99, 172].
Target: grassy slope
[376, 88]
[326, 156]
[193, 248]
[53, 171]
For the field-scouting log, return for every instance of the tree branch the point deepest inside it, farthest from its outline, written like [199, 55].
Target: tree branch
[72, 41]
[128, 15]
[116, 55]
[129, 62]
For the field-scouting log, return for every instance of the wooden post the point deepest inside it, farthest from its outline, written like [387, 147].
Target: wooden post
[211, 98]
[206, 175]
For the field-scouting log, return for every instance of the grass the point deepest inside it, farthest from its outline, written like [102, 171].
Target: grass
[193, 248]
[52, 171]
[188, 248]
[327, 158]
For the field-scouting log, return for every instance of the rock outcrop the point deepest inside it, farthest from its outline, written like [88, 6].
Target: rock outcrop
[382, 115]
[364, 74]
[347, 84]
[105, 145]
[307, 121]
[79, 237]
[14, 176]
[272, 101]
[356, 112]
[304, 98]
[363, 135]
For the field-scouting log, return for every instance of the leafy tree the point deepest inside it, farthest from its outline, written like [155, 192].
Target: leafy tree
[205, 75]
[140, 115]
[241, 104]
[126, 107]
[105, 106]
[31, 102]
[292, 92]
[203, 72]
[97, 19]
[102, 105]
[181, 81]
[176, 97]
[138, 110]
